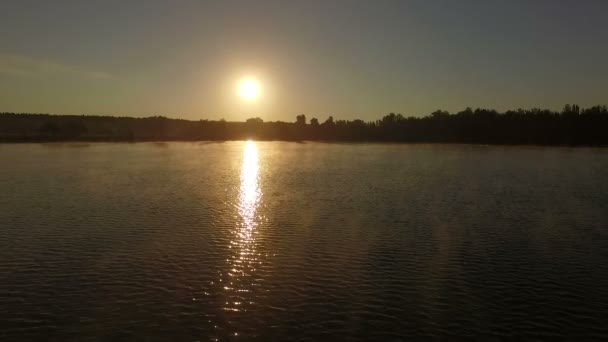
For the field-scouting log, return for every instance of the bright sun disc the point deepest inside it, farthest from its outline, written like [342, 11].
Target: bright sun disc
[249, 89]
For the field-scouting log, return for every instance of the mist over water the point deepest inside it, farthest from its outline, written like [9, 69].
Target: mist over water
[276, 241]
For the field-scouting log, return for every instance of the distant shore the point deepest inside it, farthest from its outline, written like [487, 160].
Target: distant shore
[118, 141]
[572, 126]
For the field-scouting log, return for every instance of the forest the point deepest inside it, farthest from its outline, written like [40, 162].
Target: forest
[573, 126]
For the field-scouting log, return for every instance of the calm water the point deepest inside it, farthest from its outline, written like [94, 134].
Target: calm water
[275, 241]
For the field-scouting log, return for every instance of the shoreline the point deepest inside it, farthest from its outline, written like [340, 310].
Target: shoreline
[36, 140]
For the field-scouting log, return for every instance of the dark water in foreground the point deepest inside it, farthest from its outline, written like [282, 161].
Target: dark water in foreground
[276, 241]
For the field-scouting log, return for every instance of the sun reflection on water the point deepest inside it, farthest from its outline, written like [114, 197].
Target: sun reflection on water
[250, 193]
[245, 258]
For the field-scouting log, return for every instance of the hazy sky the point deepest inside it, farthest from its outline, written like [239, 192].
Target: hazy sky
[347, 58]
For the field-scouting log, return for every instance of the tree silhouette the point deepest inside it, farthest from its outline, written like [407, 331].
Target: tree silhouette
[254, 121]
[570, 126]
[301, 119]
[49, 129]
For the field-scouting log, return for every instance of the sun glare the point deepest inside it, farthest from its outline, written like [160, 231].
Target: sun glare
[249, 89]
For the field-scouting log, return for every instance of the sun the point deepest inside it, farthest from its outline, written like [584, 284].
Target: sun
[249, 89]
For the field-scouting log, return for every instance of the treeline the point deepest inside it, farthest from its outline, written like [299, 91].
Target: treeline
[571, 126]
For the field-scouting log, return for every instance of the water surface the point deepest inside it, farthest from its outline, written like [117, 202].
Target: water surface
[276, 241]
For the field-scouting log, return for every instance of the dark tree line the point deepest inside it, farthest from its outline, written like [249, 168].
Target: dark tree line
[571, 126]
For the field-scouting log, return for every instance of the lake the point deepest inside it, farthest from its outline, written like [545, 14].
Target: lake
[302, 241]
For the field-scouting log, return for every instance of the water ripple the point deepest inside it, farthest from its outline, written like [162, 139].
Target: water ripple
[276, 241]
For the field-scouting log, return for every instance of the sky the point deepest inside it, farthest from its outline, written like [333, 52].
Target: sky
[346, 58]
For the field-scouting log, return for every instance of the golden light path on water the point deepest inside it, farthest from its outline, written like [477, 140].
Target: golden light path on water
[245, 257]
[250, 191]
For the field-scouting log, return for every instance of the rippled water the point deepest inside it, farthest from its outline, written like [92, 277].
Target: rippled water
[276, 241]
